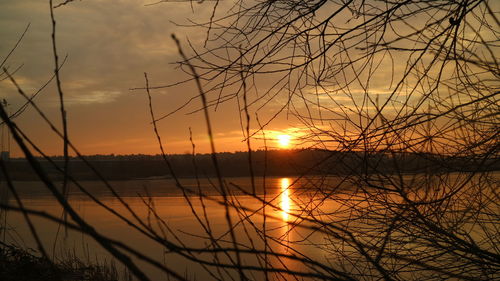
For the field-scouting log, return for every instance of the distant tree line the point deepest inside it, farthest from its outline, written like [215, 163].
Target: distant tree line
[269, 163]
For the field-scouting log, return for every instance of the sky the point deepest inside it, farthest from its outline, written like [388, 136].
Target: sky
[109, 45]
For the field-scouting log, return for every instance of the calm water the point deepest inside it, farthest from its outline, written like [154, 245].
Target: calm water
[178, 213]
[172, 207]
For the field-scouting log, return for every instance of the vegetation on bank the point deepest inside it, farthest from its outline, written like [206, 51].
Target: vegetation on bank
[17, 264]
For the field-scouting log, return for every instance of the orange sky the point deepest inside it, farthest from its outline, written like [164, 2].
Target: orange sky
[109, 45]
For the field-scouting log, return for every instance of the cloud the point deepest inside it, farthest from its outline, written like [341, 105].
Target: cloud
[93, 97]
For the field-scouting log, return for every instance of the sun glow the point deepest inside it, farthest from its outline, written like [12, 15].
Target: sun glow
[285, 198]
[284, 141]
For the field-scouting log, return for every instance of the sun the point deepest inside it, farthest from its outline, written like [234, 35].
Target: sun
[284, 141]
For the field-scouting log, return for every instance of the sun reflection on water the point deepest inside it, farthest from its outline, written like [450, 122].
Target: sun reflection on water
[285, 198]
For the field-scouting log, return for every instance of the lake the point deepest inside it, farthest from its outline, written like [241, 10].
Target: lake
[188, 220]
[174, 209]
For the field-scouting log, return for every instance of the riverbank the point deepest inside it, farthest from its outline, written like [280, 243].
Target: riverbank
[28, 265]
[278, 163]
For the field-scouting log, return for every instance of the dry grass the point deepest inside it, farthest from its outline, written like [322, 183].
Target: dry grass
[18, 264]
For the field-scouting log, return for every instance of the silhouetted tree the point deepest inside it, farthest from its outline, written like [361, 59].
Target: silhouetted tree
[377, 85]
[384, 80]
